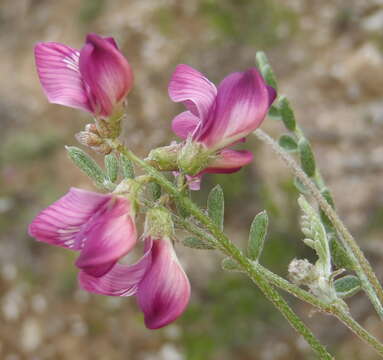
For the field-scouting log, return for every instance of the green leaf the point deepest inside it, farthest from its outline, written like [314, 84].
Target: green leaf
[215, 206]
[307, 157]
[287, 114]
[257, 236]
[84, 162]
[265, 69]
[327, 195]
[196, 243]
[230, 264]
[288, 143]
[111, 167]
[274, 113]
[127, 167]
[339, 255]
[347, 286]
[300, 187]
[261, 59]
[269, 76]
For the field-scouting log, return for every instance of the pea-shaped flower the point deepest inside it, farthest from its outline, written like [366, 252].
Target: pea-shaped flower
[100, 227]
[96, 78]
[218, 118]
[157, 279]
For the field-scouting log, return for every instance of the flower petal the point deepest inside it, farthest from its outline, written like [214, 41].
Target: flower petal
[106, 72]
[121, 280]
[241, 104]
[60, 223]
[164, 292]
[58, 70]
[189, 86]
[184, 124]
[109, 235]
[194, 182]
[229, 161]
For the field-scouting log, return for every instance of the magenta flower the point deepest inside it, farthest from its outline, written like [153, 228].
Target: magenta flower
[101, 227]
[219, 118]
[95, 79]
[157, 279]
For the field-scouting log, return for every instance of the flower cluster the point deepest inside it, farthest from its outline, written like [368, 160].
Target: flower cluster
[102, 227]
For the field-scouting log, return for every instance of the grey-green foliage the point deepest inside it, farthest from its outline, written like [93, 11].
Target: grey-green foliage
[196, 243]
[316, 236]
[347, 286]
[274, 112]
[287, 114]
[266, 69]
[230, 264]
[111, 167]
[327, 195]
[127, 167]
[300, 187]
[216, 206]
[339, 255]
[307, 157]
[288, 143]
[85, 163]
[257, 235]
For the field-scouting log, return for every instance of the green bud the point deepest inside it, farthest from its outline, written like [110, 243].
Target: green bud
[127, 167]
[164, 158]
[216, 206]
[197, 243]
[307, 157]
[159, 223]
[111, 167]
[347, 286]
[287, 114]
[192, 157]
[288, 143]
[85, 163]
[257, 236]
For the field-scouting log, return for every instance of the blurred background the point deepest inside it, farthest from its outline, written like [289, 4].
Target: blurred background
[329, 60]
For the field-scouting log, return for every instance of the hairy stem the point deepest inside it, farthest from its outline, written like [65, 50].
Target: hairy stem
[229, 249]
[296, 291]
[363, 268]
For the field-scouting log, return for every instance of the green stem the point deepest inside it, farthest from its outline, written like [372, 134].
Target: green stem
[362, 267]
[233, 252]
[296, 291]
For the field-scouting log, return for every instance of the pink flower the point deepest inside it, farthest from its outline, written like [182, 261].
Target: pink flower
[96, 79]
[219, 118]
[100, 227]
[157, 279]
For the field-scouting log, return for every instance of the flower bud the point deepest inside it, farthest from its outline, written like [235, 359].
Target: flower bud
[193, 157]
[164, 158]
[88, 139]
[159, 223]
[302, 272]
